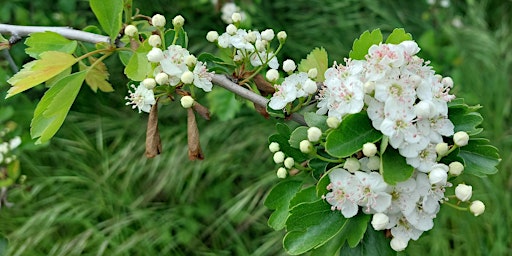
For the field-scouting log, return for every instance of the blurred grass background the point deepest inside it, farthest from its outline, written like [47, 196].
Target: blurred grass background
[91, 191]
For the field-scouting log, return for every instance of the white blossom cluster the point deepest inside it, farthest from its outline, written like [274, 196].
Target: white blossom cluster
[7, 147]
[403, 96]
[173, 66]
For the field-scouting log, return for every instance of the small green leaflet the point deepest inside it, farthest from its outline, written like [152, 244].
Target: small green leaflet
[374, 243]
[480, 157]
[279, 200]
[109, 14]
[138, 66]
[299, 134]
[397, 36]
[394, 167]
[363, 43]
[48, 41]
[316, 120]
[315, 59]
[54, 107]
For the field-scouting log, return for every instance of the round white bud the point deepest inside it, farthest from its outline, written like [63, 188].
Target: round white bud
[158, 20]
[369, 87]
[267, 34]
[130, 30]
[273, 147]
[260, 45]
[442, 148]
[236, 17]
[373, 163]
[398, 244]
[190, 60]
[456, 168]
[314, 134]
[251, 37]
[463, 192]
[460, 138]
[369, 149]
[178, 21]
[380, 221]
[155, 55]
[149, 83]
[305, 146]
[155, 40]
[423, 109]
[272, 75]
[231, 29]
[333, 122]
[281, 173]
[312, 73]
[289, 162]
[281, 36]
[162, 78]
[438, 176]
[352, 165]
[278, 157]
[212, 36]
[289, 66]
[447, 81]
[477, 207]
[187, 101]
[309, 86]
[187, 77]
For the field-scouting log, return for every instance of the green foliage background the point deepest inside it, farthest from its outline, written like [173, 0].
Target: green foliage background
[91, 191]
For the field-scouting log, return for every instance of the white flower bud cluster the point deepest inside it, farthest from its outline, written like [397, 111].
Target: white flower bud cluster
[280, 158]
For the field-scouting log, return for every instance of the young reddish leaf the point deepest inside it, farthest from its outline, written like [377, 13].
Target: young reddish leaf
[37, 71]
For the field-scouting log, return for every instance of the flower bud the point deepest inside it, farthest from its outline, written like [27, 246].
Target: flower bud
[14, 142]
[149, 83]
[187, 77]
[352, 165]
[190, 61]
[333, 122]
[477, 207]
[236, 17]
[309, 86]
[155, 40]
[438, 176]
[162, 78]
[460, 138]
[251, 37]
[278, 157]
[380, 221]
[231, 29]
[463, 192]
[272, 75]
[289, 162]
[423, 109]
[369, 149]
[273, 147]
[281, 173]
[212, 36]
[155, 55]
[447, 81]
[289, 66]
[281, 36]
[267, 35]
[398, 244]
[312, 73]
[187, 101]
[158, 20]
[369, 87]
[373, 163]
[314, 134]
[130, 30]
[442, 148]
[178, 21]
[260, 45]
[456, 168]
[305, 146]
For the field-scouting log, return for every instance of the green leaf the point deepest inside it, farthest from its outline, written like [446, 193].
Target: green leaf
[283, 129]
[182, 39]
[354, 229]
[125, 56]
[279, 200]
[374, 243]
[54, 107]
[275, 113]
[216, 64]
[397, 36]
[139, 67]
[354, 131]
[223, 103]
[332, 246]
[109, 15]
[299, 134]
[319, 167]
[480, 157]
[97, 76]
[303, 196]
[363, 43]
[4, 44]
[315, 59]
[13, 170]
[3, 245]
[394, 168]
[315, 120]
[311, 225]
[465, 117]
[35, 72]
[40, 42]
[6, 182]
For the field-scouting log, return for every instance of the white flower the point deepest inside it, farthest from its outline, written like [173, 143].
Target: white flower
[314, 134]
[257, 59]
[212, 36]
[155, 55]
[155, 40]
[289, 162]
[130, 30]
[278, 157]
[158, 20]
[236, 17]
[141, 98]
[289, 66]
[460, 138]
[456, 168]
[305, 146]
[173, 62]
[463, 192]
[369, 149]
[438, 175]
[267, 34]
[273, 147]
[345, 194]
[291, 89]
[309, 87]
[187, 101]
[477, 207]
[373, 190]
[281, 173]
[380, 221]
[227, 11]
[352, 165]
[14, 142]
[202, 78]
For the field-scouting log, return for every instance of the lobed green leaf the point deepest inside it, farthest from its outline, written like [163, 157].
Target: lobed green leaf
[97, 76]
[315, 59]
[480, 157]
[465, 117]
[40, 42]
[363, 43]
[109, 14]
[138, 66]
[397, 36]
[279, 200]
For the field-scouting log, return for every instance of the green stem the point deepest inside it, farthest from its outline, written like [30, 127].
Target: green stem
[127, 11]
[456, 207]
[325, 159]
[447, 153]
